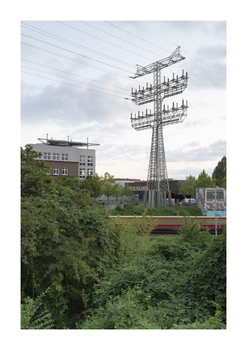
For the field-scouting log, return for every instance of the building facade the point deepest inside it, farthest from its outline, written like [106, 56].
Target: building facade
[67, 157]
[140, 187]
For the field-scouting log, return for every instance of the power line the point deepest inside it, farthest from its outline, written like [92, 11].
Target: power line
[59, 76]
[74, 60]
[56, 37]
[118, 37]
[61, 48]
[137, 37]
[60, 70]
[154, 34]
[103, 40]
[62, 82]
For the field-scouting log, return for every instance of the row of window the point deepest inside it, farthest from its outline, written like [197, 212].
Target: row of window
[56, 170]
[65, 156]
[89, 160]
[82, 172]
[55, 156]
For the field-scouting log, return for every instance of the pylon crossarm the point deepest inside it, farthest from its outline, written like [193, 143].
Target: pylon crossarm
[166, 89]
[169, 116]
[163, 63]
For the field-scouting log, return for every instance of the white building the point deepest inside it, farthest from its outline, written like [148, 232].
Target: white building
[67, 157]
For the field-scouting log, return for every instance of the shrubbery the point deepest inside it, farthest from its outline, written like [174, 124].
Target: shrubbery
[79, 269]
[131, 209]
[172, 283]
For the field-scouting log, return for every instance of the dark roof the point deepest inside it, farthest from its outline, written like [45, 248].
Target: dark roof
[67, 143]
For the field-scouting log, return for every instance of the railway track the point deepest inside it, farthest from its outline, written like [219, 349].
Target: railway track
[169, 225]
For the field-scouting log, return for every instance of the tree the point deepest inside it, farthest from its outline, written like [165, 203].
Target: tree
[94, 184]
[219, 173]
[204, 180]
[66, 242]
[126, 191]
[110, 187]
[34, 176]
[187, 187]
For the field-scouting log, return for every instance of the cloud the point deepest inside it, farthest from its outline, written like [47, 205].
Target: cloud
[207, 69]
[72, 104]
[198, 154]
[182, 173]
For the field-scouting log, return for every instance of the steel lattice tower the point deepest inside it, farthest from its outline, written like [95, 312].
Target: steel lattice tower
[157, 181]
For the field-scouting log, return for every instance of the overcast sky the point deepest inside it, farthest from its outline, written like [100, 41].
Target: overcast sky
[76, 76]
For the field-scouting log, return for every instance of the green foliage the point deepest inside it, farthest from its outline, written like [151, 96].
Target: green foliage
[188, 186]
[94, 185]
[219, 173]
[131, 209]
[191, 232]
[213, 322]
[134, 235]
[126, 191]
[121, 312]
[176, 282]
[204, 180]
[80, 267]
[34, 176]
[66, 242]
[109, 186]
[33, 316]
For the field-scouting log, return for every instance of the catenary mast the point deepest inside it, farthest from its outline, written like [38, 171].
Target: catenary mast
[157, 180]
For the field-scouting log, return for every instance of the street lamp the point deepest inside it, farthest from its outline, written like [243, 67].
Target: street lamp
[216, 210]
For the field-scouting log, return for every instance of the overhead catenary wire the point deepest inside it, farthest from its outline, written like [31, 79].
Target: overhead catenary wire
[115, 36]
[59, 76]
[79, 76]
[62, 82]
[149, 42]
[62, 48]
[66, 41]
[77, 61]
[74, 60]
[53, 36]
[153, 33]
[120, 47]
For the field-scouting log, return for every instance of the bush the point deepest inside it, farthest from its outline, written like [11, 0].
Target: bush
[177, 284]
[131, 209]
[33, 316]
[121, 312]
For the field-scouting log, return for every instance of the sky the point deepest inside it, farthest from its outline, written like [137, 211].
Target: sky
[76, 81]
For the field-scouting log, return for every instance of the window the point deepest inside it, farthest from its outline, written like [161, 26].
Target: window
[56, 170]
[55, 156]
[82, 160]
[210, 196]
[65, 171]
[90, 160]
[90, 172]
[82, 173]
[65, 156]
[47, 155]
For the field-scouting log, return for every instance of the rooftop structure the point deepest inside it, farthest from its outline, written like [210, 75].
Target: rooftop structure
[66, 143]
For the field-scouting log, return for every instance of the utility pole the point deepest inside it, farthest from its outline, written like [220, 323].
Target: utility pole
[157, 180]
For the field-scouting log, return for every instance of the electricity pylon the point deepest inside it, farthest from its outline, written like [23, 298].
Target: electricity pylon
[157, 180]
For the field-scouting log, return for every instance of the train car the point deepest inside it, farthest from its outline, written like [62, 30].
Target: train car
[210, 200]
